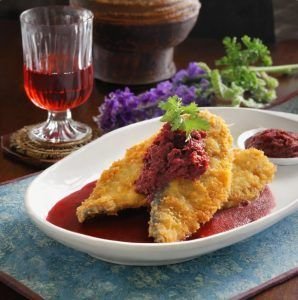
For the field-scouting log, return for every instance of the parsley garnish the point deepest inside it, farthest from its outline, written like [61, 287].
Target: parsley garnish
[245, 53]
[242, 77]
[185, 118]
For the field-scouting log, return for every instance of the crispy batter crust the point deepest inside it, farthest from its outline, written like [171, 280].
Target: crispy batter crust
[114, 189]
[251, 171]
[184, 204]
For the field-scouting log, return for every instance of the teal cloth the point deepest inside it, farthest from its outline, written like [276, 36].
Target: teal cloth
[57, 272]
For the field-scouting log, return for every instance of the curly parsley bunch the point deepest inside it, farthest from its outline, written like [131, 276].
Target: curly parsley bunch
[242, 76]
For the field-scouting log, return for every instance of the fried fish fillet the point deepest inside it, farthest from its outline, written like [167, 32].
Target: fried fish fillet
[114, 191]
[251, 171]
[178, 211]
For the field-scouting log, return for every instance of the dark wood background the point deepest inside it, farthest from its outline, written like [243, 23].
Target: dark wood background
[217, 18]
[16, 110]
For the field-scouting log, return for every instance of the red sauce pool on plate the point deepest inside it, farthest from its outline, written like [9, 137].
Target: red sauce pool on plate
[132, 225]
[233, 217]
[129, 226]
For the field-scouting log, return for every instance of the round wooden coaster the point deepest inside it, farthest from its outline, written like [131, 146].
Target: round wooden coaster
[19, 142]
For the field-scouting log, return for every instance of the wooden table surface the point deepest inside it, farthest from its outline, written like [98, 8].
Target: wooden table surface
[16, 110]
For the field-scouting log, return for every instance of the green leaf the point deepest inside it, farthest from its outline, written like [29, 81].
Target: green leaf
[192, 108]
[247, 52]
[181, 117]
[191, 124]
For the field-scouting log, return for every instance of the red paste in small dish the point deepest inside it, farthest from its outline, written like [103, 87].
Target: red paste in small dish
[171, 157]
[275, 143]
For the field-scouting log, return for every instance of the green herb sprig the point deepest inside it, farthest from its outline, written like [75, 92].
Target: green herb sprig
[249, 52]
[242, 75]
[185, 118]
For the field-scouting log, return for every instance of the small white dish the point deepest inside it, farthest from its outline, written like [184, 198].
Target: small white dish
[277, 161]
[86, 164]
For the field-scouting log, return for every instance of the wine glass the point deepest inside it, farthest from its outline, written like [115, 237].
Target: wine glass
[58, 71]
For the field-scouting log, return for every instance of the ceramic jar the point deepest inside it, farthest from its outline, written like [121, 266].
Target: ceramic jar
[134, 40]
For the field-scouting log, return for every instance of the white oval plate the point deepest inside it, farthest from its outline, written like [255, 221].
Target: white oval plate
[278, 161]
[86, 164]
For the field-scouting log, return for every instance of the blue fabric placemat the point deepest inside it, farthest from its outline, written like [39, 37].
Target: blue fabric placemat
[288, 106]
[57, 272]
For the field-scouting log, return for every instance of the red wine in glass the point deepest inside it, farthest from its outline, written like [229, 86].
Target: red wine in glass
[58, 91]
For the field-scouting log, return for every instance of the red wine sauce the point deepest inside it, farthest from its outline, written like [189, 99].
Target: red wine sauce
[131, 225]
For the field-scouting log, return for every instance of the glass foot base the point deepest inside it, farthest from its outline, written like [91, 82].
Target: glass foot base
[59, 128]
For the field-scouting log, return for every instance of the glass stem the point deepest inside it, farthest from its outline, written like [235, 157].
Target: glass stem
[58, 126]
[58, 116]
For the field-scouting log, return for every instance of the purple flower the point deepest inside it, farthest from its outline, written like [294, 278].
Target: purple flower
[192, 72]
[187, 93]
[180, 76]
[204, 83]
[123, 107]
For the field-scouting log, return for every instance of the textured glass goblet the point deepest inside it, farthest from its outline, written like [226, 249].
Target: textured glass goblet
[58, 72]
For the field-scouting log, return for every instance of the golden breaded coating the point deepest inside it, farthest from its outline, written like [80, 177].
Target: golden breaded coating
[251, 171]
[115, 189]
[184, 204]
